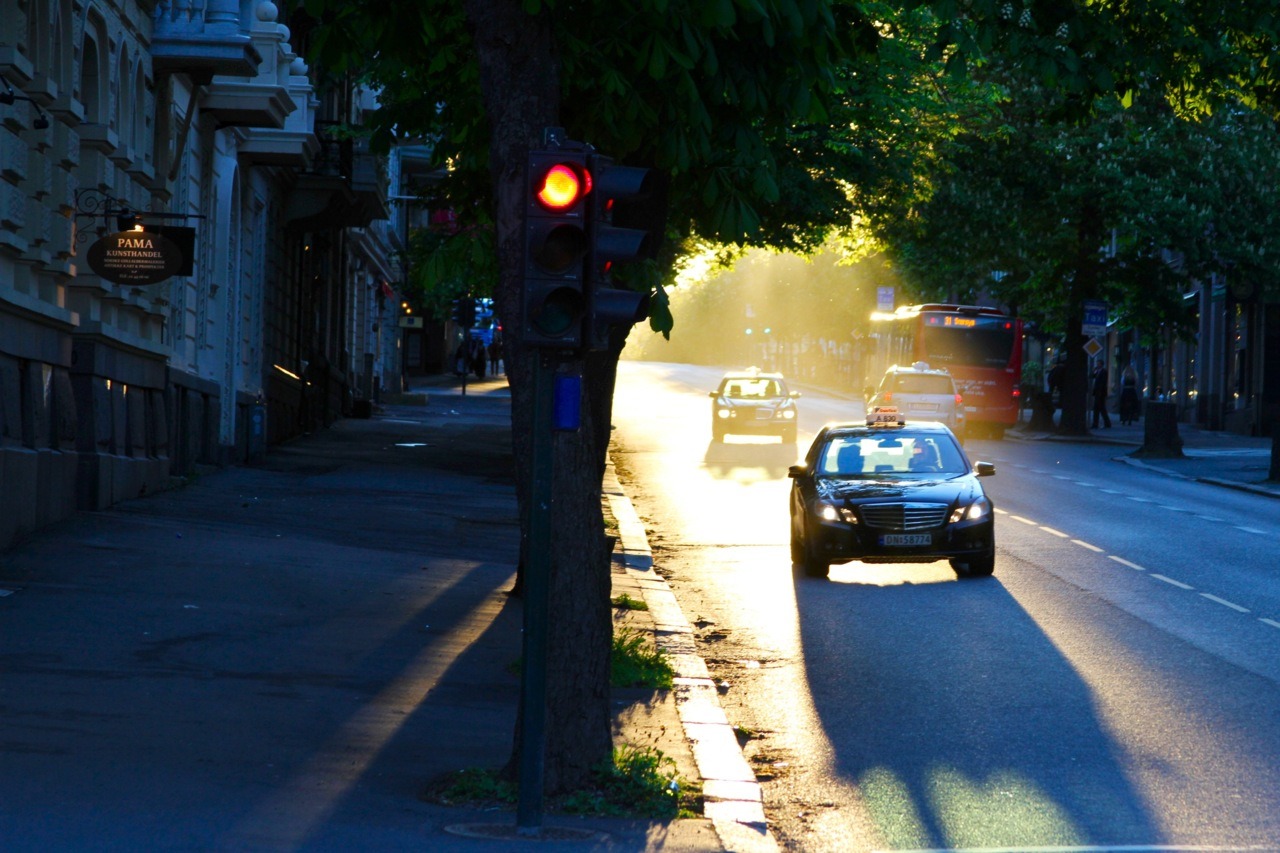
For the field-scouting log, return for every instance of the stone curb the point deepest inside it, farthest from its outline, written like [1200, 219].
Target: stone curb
[732, 800]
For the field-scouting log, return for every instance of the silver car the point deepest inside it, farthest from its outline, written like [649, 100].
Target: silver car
[921, 394]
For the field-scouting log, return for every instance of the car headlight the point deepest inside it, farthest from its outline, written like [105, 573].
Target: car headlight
[829, 512]
[723, 414]
[788, 414]
[972, 512]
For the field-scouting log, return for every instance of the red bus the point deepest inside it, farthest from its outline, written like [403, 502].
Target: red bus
[980, 347]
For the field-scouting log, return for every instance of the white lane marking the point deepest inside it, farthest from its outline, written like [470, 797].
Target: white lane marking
[1273, 623]
[1172, 508]
[1023, 520]
[1057, 533]
[1111, 491]
[1094, 548]
[1001, 511]
[1141, 500]
[1085, 485]
[1061, 477]
[1225, 603]
[1178, 584]
[1209, 518]
[1251, 530]
[1122, 561]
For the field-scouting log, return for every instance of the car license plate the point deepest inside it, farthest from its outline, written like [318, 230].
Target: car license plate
[906, 539]
[924, 407]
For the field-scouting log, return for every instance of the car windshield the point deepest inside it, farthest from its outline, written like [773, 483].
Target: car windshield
[890, 454]
[923, 383]
[752, 387]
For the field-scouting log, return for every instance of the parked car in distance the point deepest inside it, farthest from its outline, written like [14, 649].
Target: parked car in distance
[750, 402]
[919, 392]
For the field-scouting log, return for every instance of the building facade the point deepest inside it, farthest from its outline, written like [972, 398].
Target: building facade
[195, 117]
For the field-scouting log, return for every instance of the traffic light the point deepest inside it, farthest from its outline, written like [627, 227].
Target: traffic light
[553, 300]
[609, 244]
[464, 312]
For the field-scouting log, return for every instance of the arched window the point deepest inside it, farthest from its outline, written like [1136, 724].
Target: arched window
[123, 97]
[93, 74]
[140, 137]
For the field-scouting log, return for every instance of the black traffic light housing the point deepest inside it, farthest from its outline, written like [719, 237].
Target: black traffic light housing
[464, 312]
[554, 301]
[610, 244]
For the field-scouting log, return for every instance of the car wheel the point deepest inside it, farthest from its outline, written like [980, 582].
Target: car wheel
[797, 545]
[814, 565]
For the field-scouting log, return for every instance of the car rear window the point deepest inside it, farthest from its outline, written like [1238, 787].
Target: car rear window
[923, 383]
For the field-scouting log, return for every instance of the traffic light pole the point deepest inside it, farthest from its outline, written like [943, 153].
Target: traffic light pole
[537, 583]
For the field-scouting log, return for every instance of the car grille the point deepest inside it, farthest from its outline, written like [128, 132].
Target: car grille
[904, 516]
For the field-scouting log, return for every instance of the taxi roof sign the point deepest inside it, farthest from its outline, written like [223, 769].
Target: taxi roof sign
[885, 416]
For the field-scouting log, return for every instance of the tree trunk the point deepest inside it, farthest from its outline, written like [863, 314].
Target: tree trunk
[520, 83]
[1083, 285]
[1273, 472]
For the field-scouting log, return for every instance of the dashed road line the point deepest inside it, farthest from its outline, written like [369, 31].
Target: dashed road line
[1136, 499]
[1178, 584]
[1225, 603]
[1122, 561]
[1251, 530]
[1213, 518]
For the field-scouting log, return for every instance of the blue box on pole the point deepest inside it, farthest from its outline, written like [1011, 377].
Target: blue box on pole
[567, 414]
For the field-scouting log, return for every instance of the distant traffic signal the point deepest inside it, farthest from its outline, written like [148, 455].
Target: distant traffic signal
[609, 306]
[553, 300]
[464, 312]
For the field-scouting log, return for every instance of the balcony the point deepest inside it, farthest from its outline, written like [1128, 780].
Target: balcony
[346, 189]
[202, 38]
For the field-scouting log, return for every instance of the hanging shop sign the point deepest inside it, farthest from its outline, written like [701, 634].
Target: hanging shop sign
[136, 257]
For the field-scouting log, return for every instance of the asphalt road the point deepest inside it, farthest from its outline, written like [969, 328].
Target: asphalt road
[1116, 684]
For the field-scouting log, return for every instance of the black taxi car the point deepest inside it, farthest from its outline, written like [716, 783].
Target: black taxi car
[888, 491]
[750, 402]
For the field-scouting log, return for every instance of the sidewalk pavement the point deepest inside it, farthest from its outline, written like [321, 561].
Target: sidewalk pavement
[280, 657]
[1209, 456]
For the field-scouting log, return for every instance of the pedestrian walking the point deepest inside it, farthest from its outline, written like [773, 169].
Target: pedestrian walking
[477, 357]
[1100, 397]
[495, 356]
[1129, 408]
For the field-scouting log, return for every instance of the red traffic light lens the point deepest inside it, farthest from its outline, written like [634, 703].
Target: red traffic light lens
[562, 187]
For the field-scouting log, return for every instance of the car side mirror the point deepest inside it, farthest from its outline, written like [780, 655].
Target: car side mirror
[713, 394]
[797, 471]
[984, 469]
[795, 395]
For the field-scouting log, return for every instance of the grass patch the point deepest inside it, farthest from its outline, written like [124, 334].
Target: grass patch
[634, 663]
[473, 788]
[642, 781]
[626, 602]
